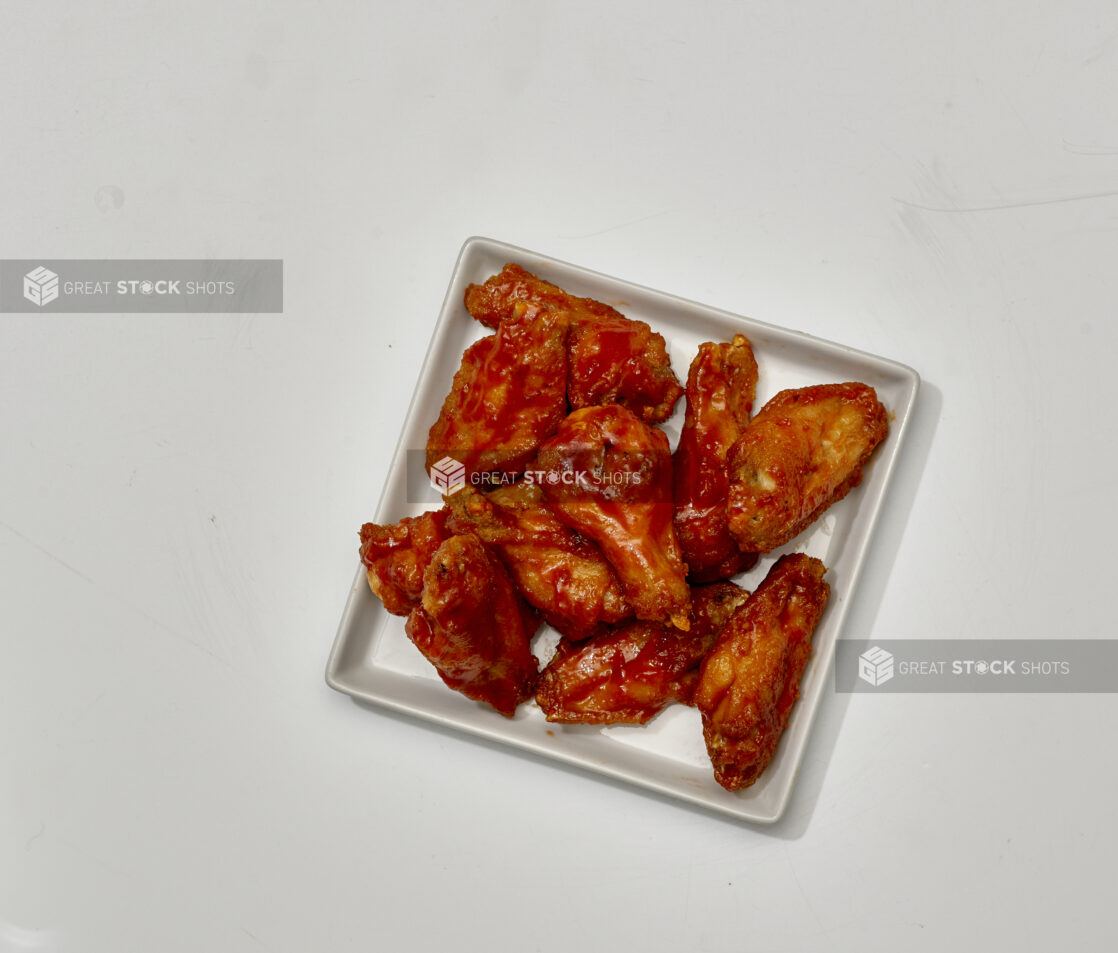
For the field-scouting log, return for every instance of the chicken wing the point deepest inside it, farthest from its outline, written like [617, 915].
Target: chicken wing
[495, 300]
[608, 475]
[508, 395]
[612, 359]
[558, 571]
[474, 628]
[396, 557]
[802, 452]
[630, 674]
[751, 678]
[720, 388]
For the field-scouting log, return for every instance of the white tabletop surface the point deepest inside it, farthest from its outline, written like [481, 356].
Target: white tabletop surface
[179, 495]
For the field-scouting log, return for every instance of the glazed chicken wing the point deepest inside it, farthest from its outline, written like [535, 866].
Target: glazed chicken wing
[396, 557]
[612, 359]
[751, 678]
[608, 475]
[630, 674]
[558, 571]
[508, 395]
[474, 628]
[720, 388]
[802, 452]
[495, 300]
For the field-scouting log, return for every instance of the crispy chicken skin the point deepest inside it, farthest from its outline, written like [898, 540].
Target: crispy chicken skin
[557, 570]
[802, 452]
[720, 389]
[473, 627]
[751, 678]
[612, 359]
[508, 395]
[608, 475]
[397, 555]
[631, 673]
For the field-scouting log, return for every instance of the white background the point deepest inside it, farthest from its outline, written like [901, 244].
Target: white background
[179, 496]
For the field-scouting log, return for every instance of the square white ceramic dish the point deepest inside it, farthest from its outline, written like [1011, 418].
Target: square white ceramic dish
[373, 660]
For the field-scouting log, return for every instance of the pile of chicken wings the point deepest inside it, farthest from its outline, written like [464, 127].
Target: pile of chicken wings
[574, 511]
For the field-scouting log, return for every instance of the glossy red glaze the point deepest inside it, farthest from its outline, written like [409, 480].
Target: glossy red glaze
[720, 390]
[608, 475]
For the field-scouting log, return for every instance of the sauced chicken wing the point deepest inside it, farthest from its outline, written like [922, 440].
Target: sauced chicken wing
[494, 301]
[508, 395]
[720, 389]
[630, 674]
[612, 359]
[802, 452]
[474, 628]
[396, 557]
[751, 678]
[608, 475]
[558, 571]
